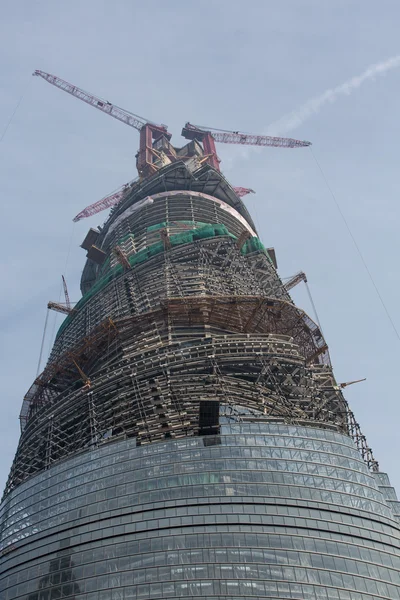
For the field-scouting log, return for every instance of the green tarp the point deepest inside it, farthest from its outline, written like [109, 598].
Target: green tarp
[207, 230]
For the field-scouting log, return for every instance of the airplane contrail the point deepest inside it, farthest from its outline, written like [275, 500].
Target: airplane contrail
[296, 118]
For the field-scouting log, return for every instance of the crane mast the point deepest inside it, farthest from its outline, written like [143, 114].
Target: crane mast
[67, 300]
[62, 307]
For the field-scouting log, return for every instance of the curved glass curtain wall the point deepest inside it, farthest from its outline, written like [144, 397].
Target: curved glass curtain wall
[262, 511]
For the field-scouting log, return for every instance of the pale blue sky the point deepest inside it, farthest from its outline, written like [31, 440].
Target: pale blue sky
[227, 64]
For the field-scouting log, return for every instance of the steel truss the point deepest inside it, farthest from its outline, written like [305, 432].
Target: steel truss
[164, 348]
[151, 385]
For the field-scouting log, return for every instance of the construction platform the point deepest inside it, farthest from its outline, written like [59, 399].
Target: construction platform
[184, 322]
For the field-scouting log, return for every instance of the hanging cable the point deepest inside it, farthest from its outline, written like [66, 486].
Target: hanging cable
[69, 248]
[313, 306]
[53, 329]
[357, 247]
[55, 319]
[43, 338]
[13, 114]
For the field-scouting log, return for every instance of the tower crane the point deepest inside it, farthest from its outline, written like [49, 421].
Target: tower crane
[148, 130]
[209, 136]
[66, 295]
[106, 202]
[293, 281]
[64, 307]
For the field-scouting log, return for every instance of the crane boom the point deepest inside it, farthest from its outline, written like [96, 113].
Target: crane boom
[293, 281]
[67, 300]
[110, 109]
[116, 197]
[343, 385]
[62, 307]
[106, 202]
[235, 137]
[59, 307]
[241, 191]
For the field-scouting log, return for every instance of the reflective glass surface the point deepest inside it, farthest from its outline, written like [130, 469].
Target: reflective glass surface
[261, 511]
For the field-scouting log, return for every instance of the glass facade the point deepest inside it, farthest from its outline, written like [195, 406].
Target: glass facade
[260, 511]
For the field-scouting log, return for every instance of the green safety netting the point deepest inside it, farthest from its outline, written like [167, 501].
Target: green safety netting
[207, 230]
[126, 237]
[154, 249]
[105, 266]
[182, 238]
[155, 227]
[253, 245]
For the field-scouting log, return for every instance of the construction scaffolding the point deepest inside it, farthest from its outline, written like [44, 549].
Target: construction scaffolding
[184, 322]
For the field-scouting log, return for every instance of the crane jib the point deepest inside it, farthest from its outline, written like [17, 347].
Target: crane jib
[151, 133]
[107, 107]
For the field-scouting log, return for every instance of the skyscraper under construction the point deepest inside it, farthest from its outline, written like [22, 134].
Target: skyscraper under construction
[187, 437]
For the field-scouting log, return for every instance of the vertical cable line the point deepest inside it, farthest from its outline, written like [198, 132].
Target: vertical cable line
[14, 112]
[43, 338]
[356, 247]
[69, 249]
[52, 336]
[2, 136]
[313, 306]
[11, 118]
